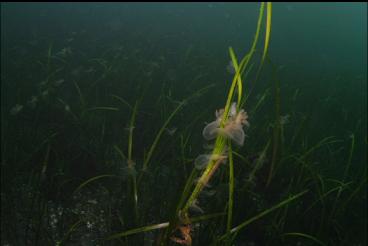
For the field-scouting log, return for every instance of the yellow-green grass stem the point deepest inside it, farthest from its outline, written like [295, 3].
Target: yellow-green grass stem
[231, 189]
[268, 31]
[208, 172]
[220, 140]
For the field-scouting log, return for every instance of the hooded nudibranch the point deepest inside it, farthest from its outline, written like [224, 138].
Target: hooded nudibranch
[233, 127]
[203, 160]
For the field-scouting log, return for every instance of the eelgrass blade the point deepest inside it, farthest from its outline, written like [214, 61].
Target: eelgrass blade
[276, 129]
[92, 180]
[139, 230]
[130, 161]
[239, 83]
[131, 128]
[260, 101]
[123, 157]
[102, 108]
[81, 98]
[231, 189]
[49, 52]
[176, 110]
[354, 193]
[158, 136]
[183, 197]
[220, 140]
[299, 234]
[268, 31]
[160, 226]
[324, 141]
[122, 101]
[67, 234]
[262, 214]
[260, 160]
[208, 172]
[346, 171]
[45, 163]
[340, 187]
[243, 65]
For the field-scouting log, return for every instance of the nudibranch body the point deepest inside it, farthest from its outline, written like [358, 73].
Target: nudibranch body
[203, 160]
[233, 127]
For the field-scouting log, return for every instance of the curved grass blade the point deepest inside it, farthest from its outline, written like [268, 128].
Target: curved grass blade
[220, 140]
[262, 214]
[71, 229]
[92, 180]
[102, 108]
[160, 226]
[325, 195]
[122, 101]
[158, 136]
[139, 230]
[123, 157]
[231, 189]
[276, 129]
[268, 31]
[176, 110]
[243, 65]
[299, 234]
[131, 163]
[240, 84]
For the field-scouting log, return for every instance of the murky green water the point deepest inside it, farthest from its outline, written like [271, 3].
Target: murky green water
[103, 108]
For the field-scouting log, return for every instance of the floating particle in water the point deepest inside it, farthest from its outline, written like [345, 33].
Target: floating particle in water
[89, 70]
[33, 101]
[16, 109]
[45, 93]
[171, 131]
[284, 119]
[230, 68]
[92, 201]
[64, 52]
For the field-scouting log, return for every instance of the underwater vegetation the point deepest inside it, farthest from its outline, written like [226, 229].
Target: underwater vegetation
[132, 143]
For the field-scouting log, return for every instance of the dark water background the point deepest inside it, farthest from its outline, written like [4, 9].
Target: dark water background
[163, 53]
